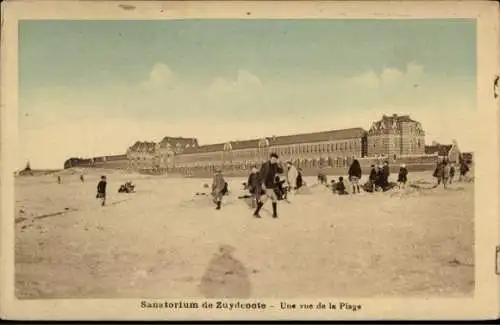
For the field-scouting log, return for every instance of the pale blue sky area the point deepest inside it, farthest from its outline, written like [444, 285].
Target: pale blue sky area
[95, 53]
[224, 69]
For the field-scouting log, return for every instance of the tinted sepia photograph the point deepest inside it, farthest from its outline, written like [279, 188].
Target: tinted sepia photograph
[179, 160]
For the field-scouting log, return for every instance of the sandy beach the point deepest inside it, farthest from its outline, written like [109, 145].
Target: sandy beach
[165, 242]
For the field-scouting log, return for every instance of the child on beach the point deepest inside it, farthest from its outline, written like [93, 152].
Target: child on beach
[219, 186]
[402, 176]
[101, 190]
[340, 187]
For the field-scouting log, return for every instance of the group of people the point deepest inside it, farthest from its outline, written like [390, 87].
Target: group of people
[445, 172]
[266, 183]
[378, 179]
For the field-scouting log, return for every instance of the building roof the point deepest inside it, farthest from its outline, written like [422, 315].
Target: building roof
[389, 122]
[244, 144]
[181, 140]
[116, 157]
[351, 133]
[440, 149]
[346, 134]
[205, 148]
[143, 146]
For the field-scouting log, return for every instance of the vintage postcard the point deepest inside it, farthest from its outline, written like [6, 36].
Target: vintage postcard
[249, 160]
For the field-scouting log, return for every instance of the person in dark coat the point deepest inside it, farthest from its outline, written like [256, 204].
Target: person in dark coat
[82, 179]
[464, 169]
[386, 172]
[372, 179]
[101, 190]
[300, 181]
[402, 176]
[379, 185]
[340, 187]
[268, 173]
[355, 175]
[254, 185]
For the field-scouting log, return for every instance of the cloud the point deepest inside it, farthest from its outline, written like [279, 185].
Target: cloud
[66, 121]
[160, 76]
[244, 81]
[388, 77]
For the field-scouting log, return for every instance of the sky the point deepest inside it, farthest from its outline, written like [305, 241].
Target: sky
[90, 88]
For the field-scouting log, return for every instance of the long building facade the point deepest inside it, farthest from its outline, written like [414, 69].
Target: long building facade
[391, 137]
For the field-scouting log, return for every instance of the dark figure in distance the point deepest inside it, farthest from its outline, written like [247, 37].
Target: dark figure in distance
[101, 190]
[402, 176]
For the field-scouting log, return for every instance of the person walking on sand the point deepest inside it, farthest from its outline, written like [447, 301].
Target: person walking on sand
[291, 176]
[254, 186]
[402, 176]
[81, 178]
[452, 172]
[101, 190]
[59, 180]
[218, 186]
[268, 173]
[355, 175]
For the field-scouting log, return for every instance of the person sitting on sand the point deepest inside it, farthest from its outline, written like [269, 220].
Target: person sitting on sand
[218, 186]
[340, 187]
[101, 190]
[332, 186]
[402, 176]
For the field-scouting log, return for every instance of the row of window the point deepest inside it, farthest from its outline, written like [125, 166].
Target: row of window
[397, 143]
[317, 148]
